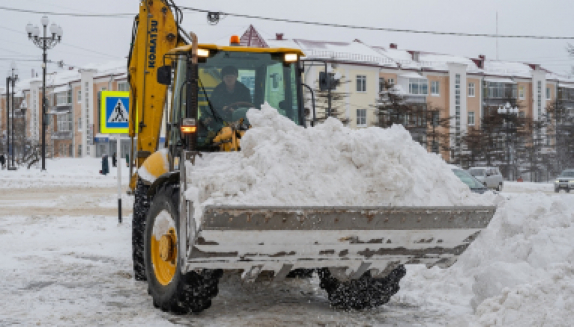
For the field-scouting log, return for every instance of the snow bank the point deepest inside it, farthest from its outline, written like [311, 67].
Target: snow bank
[524, 262]
[65, 172]
[518, 272]
[548, 302]
[285, 164]
[528, 187]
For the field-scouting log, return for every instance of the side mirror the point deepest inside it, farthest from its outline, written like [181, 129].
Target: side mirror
[164, 75]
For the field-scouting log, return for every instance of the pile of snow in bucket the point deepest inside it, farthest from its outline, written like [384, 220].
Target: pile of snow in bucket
[282, 164]
[518, 272]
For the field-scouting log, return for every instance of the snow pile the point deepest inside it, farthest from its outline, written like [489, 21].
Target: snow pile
[285, 164]
[518, 272]
[549, 302]
[524, 262]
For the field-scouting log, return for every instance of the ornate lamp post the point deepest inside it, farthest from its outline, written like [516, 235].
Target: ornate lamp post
[508, 114]
[44, 42]
[11, 79]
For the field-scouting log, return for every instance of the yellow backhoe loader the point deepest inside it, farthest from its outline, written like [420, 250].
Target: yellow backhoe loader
[359, 253]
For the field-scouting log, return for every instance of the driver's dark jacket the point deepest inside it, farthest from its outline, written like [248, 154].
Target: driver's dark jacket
[220, 98]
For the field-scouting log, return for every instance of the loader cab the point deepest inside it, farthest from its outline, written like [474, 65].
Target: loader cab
[269, 76]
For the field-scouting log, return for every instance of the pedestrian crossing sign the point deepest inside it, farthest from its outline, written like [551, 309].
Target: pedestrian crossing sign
[114, 112]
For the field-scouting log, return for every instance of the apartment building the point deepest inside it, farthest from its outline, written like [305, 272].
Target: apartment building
[72, 110]
[462, 89]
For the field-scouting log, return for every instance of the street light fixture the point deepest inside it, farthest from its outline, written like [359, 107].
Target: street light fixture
[44, 42]
[508, 113]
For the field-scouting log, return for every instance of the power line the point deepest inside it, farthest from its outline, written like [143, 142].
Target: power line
[116, 15]
[386, 29]
[285, 20]
[64, 44]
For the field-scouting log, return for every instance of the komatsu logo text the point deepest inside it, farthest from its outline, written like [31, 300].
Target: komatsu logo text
[152, 44]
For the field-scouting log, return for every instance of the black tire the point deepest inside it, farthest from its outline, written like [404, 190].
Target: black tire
[301, 273]
[499, 188]
[363, 293]
[141, 207]
[187, 293]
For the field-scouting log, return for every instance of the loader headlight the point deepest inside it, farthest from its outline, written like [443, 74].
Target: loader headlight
[291, 57]
[203, 53]
[188, 126]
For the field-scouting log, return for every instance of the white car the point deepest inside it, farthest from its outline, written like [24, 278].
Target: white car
[565, 181]
[489, 176]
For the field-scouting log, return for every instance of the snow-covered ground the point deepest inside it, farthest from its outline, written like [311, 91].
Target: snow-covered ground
[67, 262]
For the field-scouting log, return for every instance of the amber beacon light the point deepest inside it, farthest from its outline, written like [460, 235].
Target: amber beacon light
[234, 40]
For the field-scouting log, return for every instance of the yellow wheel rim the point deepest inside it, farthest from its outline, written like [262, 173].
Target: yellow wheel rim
[164, 248]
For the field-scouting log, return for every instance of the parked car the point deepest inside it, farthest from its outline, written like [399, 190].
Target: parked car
[474, 184]
[489, 176]
[565, 181]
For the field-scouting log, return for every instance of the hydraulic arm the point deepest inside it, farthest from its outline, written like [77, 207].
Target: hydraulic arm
[156, 31]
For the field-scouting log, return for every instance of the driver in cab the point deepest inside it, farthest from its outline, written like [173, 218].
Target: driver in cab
[228, 93]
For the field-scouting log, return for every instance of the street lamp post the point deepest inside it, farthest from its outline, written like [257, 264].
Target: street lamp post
[8, 120]
[44, 42]
[11, 81]
[508, 113]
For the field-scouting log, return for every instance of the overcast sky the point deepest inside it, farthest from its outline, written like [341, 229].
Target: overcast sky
[97, 40]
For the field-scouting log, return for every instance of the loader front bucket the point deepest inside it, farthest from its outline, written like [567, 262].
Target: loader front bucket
[350, 240]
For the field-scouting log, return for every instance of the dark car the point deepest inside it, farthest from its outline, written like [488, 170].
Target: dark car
[475, 185]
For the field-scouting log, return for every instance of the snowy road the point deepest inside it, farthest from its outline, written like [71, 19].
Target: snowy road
[72, 266]
[67, 262]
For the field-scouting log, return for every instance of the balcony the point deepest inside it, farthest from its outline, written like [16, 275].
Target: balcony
[62, 135]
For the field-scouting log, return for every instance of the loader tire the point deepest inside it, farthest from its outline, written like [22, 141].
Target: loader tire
[141, 207]
[178, 293]
[363, 293]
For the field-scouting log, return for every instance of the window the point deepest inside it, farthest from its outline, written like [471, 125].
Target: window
[435, 146]
[79, 96]
[361, 83]
[471, 90]
[79, 150]
[62, 98]
[123, 86]
[547, 93]
[539, 102]
[391, 81]
[80, 124]
[435, 88]
[70, 96]
[501, 90]
[435, 118]
[521, 92]
[65, 122]
[361, 117]
[471, 119]
[522, 114]
[418, 86]
[381, 84]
